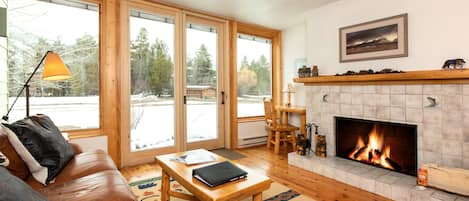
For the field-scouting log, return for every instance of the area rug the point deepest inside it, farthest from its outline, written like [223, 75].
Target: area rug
[229, 154]
[149, 190]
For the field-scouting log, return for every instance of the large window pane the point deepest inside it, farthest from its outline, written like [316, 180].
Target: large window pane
[201, 81]
[254, 74]
[70, 29]
[152, 81]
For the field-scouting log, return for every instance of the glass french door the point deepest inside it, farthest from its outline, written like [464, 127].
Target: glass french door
[174, 69]
[203, 86]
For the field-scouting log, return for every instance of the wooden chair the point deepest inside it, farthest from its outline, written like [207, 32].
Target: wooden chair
[278, 132]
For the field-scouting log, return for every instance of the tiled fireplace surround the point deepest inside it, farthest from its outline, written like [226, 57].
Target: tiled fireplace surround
[443, 132]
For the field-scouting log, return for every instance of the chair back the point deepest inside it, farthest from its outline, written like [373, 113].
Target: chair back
[270, 114]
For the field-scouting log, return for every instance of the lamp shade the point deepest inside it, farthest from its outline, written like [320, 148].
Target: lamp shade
[54, 68]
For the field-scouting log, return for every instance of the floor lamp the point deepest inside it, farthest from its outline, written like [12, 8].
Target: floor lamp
[54, 69]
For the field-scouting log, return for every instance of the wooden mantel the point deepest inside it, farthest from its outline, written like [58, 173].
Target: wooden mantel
[410, 77]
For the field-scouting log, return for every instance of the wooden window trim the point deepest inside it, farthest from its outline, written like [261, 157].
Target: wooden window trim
[256, 30]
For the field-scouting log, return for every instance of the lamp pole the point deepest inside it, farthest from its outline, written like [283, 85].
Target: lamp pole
[26, 86]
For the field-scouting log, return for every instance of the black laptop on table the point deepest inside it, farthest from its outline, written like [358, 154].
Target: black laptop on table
[219, 173]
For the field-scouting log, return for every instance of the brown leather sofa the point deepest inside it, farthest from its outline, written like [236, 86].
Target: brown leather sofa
[88, 176]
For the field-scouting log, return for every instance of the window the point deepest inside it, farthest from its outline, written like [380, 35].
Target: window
[152, 105]
[254, 74]
[71, 29]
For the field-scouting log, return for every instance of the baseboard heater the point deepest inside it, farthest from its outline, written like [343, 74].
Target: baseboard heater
[252, 141]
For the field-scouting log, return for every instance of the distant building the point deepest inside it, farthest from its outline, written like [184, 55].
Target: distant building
[201, 91]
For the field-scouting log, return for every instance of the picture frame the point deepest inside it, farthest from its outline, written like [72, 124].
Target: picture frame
[378, 39]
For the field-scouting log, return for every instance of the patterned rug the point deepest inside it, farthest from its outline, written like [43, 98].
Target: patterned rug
[149, 190]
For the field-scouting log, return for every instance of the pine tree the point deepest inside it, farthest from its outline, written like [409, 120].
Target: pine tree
[203, 72]
[140, 59]
[161, 71]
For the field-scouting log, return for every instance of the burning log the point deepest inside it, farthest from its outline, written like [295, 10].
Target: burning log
[394, 165]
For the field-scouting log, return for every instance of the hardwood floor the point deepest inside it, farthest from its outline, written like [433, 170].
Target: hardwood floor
[276, 167]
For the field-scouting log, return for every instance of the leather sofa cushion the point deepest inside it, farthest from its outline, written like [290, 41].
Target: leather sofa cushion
[106, 185]
[16, 165]
[81, 165]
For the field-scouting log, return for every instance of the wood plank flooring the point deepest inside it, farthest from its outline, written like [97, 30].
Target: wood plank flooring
[276, 167]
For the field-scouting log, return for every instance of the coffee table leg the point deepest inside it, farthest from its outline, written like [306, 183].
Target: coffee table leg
[257, 197]
[165, 186]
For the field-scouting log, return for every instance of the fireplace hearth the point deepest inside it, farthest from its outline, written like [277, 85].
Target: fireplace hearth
[386, 145]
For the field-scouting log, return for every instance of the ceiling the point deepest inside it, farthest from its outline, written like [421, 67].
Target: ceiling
[277, 14]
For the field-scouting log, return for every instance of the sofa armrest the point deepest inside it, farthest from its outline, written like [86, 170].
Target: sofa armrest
[77, 148]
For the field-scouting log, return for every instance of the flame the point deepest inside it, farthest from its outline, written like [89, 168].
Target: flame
[373, 152]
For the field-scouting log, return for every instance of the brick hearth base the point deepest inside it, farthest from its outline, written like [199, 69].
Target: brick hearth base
[383, 182]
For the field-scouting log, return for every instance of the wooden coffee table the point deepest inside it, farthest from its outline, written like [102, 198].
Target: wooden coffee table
[252, 185]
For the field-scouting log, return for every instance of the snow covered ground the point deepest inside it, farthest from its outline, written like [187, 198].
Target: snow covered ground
[156, 127]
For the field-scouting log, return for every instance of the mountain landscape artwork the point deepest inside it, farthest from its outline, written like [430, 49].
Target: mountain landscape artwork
[378, 39]
[372, 40]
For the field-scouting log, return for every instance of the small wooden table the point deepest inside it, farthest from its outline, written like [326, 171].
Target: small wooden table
[294, 109]
[252, 185]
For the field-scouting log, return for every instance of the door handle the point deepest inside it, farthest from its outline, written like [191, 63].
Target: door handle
[185, 100]
[222, 97]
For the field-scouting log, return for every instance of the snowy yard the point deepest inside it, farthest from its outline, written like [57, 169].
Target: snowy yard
[156, 127]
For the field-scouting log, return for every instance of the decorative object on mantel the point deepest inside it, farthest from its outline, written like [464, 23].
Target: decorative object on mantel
[315, 72]
[370, 72]
[378, 39]
[432, 102]
[290, 89]
[455, 63]
[304, 71]
[454, 180]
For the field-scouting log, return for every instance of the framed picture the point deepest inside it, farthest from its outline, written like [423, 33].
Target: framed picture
[378, 39]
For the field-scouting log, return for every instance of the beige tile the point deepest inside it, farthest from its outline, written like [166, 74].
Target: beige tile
[465, 102]
[334, 89]
[383, 100]
[452, 102]
[397, 113]
[413, 101]
[433, 89]
[397, 89]
[369, 111]
[414, 89]
[466, 150]
[383, 89]
[357, 99]
[346, 89]
[357, 89]
[345, 109]
[346, 98]
[414, 115]
[452, 147]
[452, 161]
[453, 116]
[357, 110]
[432, 157]
[369, 99]
[383, 112]
[333, 98]
[451, 89]
[369, 89]
[398, 100]
[465, 89]
[432, 116]
[465, 163]
[452, 130]
[432, 131]
[431, 144]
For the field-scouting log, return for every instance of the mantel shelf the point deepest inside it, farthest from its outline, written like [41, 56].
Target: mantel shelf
[453, 76]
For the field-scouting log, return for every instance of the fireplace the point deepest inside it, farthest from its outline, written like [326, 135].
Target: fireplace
[386, 145]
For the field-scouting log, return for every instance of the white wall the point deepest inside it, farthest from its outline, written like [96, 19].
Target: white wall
[293, 47]
[437, 29]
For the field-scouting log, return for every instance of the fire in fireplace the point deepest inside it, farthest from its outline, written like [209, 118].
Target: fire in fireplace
[383, 144]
